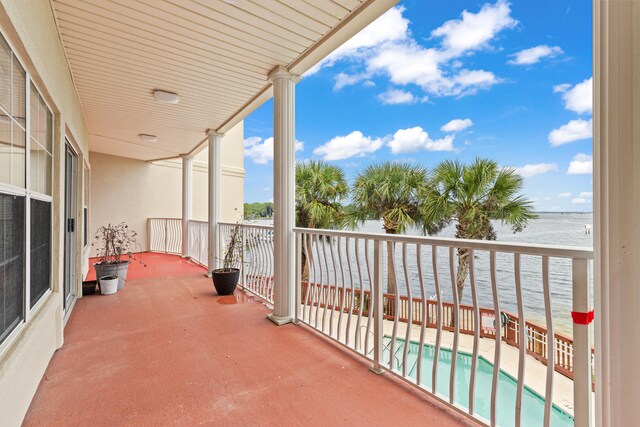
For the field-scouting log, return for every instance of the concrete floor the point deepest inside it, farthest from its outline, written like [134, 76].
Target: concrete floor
[167, 351]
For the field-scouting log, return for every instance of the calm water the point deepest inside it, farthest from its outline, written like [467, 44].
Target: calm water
[550, 229]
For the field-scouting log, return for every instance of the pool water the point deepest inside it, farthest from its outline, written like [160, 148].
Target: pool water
[532, 402]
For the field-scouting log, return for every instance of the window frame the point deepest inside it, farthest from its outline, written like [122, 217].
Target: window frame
[5, 188]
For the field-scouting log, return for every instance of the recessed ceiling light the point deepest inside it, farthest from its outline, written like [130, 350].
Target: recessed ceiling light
[166, 97]
[148, 138]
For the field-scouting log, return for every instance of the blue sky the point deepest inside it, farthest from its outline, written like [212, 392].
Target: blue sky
[431, 81]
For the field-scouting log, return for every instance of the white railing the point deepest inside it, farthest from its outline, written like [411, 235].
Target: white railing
[198, 241]
[257, 258]
[165, 235]
[424, 335]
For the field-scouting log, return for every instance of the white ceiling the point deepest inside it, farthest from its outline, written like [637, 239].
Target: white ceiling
[215, 54]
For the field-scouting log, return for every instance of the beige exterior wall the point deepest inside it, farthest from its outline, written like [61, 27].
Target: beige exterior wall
[132, 190]
[30, 29]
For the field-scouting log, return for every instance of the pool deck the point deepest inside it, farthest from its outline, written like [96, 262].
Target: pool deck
[167, 351]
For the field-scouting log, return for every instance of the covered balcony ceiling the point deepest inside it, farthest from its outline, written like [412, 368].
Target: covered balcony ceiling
[215, 54]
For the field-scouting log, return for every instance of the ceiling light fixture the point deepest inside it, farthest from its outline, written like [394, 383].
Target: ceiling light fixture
[148, 138]
[166, 97]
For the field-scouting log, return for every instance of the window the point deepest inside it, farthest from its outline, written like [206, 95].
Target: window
[26, 147]
[11, 262]
[40, 250]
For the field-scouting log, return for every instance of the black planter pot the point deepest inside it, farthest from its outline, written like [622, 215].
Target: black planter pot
[225, 281]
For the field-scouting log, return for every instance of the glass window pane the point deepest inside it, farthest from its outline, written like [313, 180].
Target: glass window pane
[18, 157]
[18, 92]
[12, 235]
[34, 109]
[5, 75]
[5, 148]
[40, 249]
[48, 142]
[33, 169]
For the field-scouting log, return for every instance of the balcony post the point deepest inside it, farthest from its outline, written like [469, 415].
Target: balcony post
[616, 179]
[215, 177]
[187, 201]
[284, 164]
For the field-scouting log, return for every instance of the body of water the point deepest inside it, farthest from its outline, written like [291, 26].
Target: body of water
[566, 229]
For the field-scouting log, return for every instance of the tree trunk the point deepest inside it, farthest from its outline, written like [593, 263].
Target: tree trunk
[463, 271]
[391, 278]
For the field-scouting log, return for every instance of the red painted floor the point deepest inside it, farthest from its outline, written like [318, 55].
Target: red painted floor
[166, 350]
[148, 265]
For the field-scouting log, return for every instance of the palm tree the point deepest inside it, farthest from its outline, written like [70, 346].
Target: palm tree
[391, 192]
[320, 189]
[472, 196]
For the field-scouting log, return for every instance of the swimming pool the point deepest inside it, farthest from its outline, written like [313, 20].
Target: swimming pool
[532, 402]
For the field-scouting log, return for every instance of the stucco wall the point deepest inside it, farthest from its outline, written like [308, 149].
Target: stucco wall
[30, 29]
[132, 191]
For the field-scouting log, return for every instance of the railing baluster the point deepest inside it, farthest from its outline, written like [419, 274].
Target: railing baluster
[497, 325]
[335, 284]
[378, 317]
[342, 297]
[351, 290]
[407, 339]
[325, 288]
[371, 299]
[476, 330]
[436, 351]
[391, 260]
[358, 334]
[456, 326]
[298, 290]
[550, 344]
[308, 261]
[522, 339]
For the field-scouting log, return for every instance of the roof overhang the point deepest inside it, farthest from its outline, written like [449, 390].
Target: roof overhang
[216, 55]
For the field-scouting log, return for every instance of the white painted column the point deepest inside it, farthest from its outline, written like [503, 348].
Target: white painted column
[215, 178]
[284, 165]
[617, 211]
[187, 201]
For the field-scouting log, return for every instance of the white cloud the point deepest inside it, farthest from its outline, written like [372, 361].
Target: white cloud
[386, 48]
[564, 195]
[344, 147]
[587, 194]
[561, 88]
[391, 26]
[344, 80]
[528, 171]
[262, 152]
[582, 164]
[475, 30]
[456, 125]
[251, 141]
[578, 98]
[535, 54]
[572, 131]
[579, 201]
[417, 139]
[397, 96]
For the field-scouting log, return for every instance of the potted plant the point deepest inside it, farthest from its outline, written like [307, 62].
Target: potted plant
[225, 279]
[114, 242]
[109, 285]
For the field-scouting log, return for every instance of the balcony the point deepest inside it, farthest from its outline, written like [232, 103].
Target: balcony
[544, 364]
[167, 348]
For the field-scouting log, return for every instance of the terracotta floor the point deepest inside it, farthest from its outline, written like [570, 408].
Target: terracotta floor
[167, 351]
